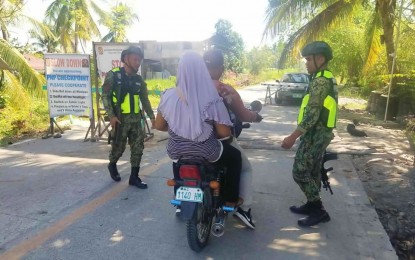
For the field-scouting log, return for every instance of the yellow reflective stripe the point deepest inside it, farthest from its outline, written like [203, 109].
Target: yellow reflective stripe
[325, 73]
[331, 105]
[302, 108]
[137, 104]
[125, 105]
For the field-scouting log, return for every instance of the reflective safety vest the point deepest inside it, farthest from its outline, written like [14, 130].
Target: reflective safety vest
[131, 100]
[328, 114]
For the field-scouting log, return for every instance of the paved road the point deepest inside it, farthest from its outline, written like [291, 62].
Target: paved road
[58, 202]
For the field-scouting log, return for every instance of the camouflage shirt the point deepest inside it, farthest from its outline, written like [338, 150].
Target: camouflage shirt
[318, 90]
[109, 87]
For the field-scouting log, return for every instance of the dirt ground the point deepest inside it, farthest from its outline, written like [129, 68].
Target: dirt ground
[387, 172]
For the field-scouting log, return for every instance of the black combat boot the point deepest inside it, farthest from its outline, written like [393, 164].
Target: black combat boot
[112, 167]
[135, 180]
[304, 209]
[317, 214]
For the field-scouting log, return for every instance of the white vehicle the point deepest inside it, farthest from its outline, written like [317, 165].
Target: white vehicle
[291, 87]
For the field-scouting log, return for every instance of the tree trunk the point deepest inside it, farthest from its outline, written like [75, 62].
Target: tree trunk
[5, 34]
[387, 14]
[76, 43]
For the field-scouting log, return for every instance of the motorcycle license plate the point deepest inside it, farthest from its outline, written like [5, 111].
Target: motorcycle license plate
[189, 194]
[297, 95]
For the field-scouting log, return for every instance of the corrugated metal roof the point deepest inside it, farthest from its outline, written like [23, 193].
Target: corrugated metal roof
[36, 63]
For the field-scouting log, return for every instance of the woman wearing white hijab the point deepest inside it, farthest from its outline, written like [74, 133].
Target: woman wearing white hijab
[195, 116]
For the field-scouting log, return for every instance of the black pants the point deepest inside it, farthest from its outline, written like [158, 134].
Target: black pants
[232, 160]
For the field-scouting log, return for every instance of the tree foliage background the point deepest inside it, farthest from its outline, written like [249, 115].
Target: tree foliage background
[361, 33]
[67, 27]
[231, 44]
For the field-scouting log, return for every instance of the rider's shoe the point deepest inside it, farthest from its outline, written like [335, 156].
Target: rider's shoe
[304, 209]
[135, 180]
[317, 214]
[245, 217]
[112, 167]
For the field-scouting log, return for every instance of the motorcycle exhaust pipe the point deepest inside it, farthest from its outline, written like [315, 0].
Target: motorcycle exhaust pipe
[218, 228]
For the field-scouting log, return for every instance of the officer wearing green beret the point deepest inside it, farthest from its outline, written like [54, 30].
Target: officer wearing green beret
[122, 91]
[316, 120]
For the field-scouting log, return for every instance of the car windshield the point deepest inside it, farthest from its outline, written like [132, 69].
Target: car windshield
[299, 78]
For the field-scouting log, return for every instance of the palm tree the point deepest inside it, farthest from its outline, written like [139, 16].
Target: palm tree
[117, 22]
[47, 43]
[320, 16]
[73, 22]
[17, 74]
[9, 11]
[11, 14]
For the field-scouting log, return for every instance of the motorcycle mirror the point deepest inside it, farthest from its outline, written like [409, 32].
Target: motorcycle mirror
[256, 106]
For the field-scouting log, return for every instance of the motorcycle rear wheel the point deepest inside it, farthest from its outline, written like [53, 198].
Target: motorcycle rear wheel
[198, 228]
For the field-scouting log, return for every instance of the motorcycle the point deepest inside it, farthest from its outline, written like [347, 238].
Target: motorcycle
[199, 187]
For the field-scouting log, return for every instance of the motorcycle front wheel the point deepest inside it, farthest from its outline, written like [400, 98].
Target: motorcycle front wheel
[198, 228]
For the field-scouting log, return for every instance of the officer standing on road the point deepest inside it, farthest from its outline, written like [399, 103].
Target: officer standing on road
[122, 92]
[316, 120]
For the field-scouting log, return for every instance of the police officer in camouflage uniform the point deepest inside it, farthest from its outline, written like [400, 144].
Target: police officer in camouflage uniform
[316, 120]
[122, 92]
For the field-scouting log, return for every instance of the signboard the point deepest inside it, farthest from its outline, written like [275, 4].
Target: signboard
[68, 80]
[108, 56]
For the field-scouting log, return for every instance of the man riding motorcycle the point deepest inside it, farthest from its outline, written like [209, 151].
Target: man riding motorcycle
[215, 63]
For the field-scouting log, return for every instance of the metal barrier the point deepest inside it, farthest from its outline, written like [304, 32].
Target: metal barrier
[269, 93]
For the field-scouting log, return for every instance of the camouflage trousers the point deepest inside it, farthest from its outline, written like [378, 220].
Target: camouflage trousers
[308, 161]
[132, 132]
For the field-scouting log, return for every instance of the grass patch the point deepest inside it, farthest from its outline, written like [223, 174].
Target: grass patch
[158, 85]
[354, 106]
[350, 92]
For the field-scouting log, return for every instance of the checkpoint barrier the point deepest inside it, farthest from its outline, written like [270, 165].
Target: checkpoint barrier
[269, 93]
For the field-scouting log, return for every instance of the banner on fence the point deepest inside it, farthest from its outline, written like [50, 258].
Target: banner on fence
[68, 80]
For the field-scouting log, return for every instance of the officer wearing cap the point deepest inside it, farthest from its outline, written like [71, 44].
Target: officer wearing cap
[316, 120]
[122, 91]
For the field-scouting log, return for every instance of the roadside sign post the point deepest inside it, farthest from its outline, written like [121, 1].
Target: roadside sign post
[68, 78]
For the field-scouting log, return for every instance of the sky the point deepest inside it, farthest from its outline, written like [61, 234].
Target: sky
[184, 20]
